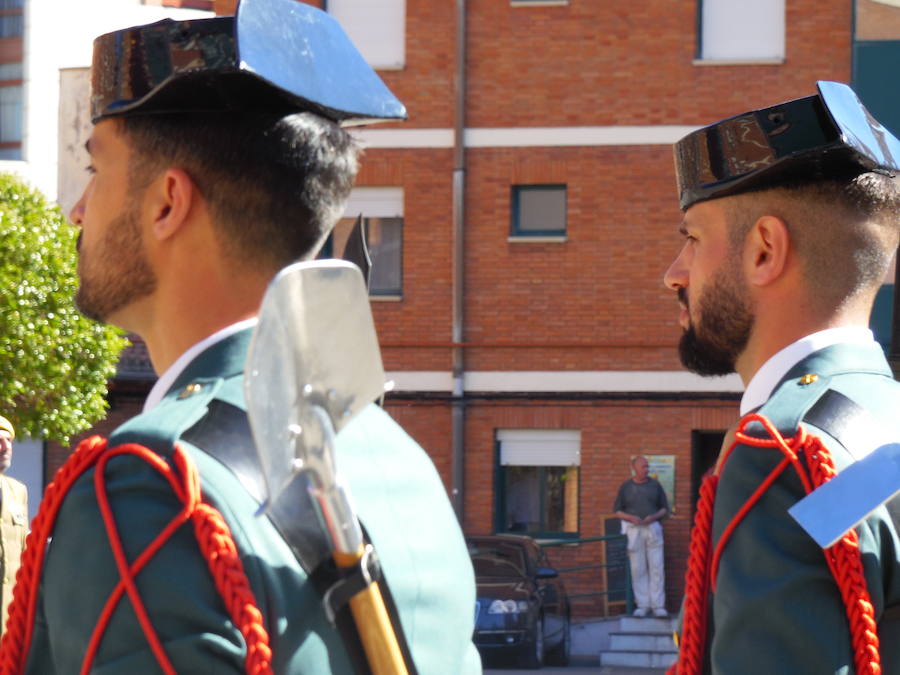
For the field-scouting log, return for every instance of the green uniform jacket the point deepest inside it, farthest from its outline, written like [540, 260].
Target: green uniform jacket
[398, 494]
[777, 608]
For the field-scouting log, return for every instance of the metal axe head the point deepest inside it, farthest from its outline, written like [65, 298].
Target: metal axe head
[315, 347]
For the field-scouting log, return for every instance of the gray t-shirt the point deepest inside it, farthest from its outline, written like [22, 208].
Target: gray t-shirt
[641, 499]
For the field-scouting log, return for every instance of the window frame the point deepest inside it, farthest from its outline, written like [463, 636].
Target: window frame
[394, 293]
[517, 233]
[361, 40]
[500, 498]
[701, 60]
[15, 82]
[375, 202]
[6, 145]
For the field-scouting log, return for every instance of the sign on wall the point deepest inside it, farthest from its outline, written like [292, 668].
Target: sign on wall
[662, 468]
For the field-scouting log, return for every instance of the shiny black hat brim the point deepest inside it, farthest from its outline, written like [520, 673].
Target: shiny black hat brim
[277, 56]
[830, 135]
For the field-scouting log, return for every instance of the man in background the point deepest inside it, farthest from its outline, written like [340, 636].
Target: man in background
[641, 503]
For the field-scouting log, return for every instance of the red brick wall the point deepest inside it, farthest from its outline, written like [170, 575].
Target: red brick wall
[598, 297]
[422, 319]
[582, 294]
[598, 63]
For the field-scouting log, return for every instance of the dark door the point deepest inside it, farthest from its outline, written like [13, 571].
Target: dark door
[705, 446]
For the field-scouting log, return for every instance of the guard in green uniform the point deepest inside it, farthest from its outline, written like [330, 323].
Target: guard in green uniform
[791, 218]
[218, 157]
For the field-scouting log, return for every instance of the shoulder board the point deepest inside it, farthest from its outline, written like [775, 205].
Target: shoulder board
[873, 479]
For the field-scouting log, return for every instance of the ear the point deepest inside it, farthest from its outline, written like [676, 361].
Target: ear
[766, 250]
[173, 195]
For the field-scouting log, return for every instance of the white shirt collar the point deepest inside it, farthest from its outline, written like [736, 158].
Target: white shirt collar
[764, 381]
[167, 379]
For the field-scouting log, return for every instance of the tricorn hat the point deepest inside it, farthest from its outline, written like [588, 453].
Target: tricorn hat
[278, 56]
[828, 135]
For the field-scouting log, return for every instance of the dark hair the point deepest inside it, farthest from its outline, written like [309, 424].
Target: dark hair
[845, 230]
[275, 184]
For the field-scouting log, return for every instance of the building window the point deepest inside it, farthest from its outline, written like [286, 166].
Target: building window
[376, 27]
[11, 20]
[538, 211]
[537, 482]
[737, 30]
[10, 122]
[381, 209]
[11, 29]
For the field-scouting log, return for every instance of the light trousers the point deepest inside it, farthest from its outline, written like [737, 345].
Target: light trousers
[645, 553]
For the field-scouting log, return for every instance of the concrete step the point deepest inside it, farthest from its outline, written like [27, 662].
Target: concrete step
[637, 659]
[648, 642]
[646, 624]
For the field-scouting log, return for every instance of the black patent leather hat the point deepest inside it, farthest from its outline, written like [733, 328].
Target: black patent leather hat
[824, 136]
[278, 56]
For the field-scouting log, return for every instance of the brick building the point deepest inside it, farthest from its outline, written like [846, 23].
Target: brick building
[522, 220]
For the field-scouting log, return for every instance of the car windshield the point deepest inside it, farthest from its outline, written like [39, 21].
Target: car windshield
[497, 560]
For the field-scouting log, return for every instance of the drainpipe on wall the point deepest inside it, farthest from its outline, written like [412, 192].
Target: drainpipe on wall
[458, 411]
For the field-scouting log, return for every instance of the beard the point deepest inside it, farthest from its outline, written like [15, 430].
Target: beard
[713, 345]
[115, 272]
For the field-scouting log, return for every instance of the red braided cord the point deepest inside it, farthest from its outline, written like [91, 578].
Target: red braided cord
[16, 638]
[128, 572]
[696, 583]
[218, 549]
[844, 558]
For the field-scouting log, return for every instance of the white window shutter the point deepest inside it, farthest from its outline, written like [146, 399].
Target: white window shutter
[376, 27]
[375, 202]
[539, 447]
[735, 30]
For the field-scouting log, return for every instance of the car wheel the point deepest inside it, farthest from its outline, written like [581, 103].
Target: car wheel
[559, 655]
[532, 653]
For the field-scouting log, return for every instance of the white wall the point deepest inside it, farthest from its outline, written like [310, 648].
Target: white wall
[59, 34]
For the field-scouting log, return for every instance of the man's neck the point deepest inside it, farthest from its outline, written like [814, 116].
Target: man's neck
[772, 334]
[767, 376]
[183, 312]
[166, 346]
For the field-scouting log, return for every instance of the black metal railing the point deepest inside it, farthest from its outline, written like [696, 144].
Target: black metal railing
[622, 589]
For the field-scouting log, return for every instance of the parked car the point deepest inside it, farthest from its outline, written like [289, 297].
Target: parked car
[522, 609]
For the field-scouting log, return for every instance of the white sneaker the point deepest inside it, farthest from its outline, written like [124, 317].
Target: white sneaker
[660, 612]
[640, 611]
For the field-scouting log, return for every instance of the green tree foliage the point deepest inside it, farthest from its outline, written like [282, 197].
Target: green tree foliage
[54, 363]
